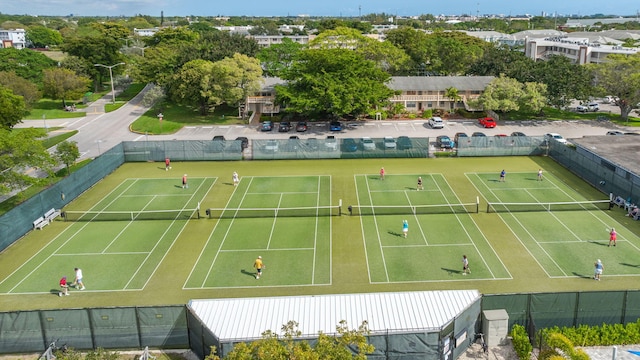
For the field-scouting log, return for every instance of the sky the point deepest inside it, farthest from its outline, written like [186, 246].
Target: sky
[347, 8]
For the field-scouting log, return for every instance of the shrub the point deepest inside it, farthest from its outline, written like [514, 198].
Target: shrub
[521, 342]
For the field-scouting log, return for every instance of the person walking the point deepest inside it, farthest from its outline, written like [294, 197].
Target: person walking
[64, 287]
[465, 265]
[612, 236]
[236, 179]
[539, 174]
[184, 182]
[258, 265]
[405, 228]
[419, 184]
[167, 164]
[77, 283]
[503, 174]
[381, 173]
[598, 269]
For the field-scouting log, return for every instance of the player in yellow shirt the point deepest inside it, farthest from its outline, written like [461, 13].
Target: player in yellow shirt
[259, 266]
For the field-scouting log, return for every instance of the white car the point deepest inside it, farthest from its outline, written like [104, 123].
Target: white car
[556, 137]
[436, 123]
[367, 143]
[271, 146]
[389, 142]
[331, 143]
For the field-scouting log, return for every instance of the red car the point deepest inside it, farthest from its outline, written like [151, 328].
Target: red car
[487, 122]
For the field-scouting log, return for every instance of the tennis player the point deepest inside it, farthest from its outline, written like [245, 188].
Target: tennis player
[63, 286]
[419, 184]
[77, 283]
[167, 164]
[539, 174]
[381, 173]
[236, 178]
[405, 228]
[598, 269]
[184, 182]
[259, 265]
[503, 174]
[612, 236]
[465, 265]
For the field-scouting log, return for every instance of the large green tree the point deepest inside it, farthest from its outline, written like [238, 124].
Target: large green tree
[388, 57]
[235, 78]
[192, 86]
[12, 108]
[68, 153]
[333, 82]
[64, 84]
[453, 52]
[565, 80]
[40, 36]
[25, 63]
[505, 94]
[502, 60]
[278, 57]
[21, 150]
[20, 86]
[619, 76]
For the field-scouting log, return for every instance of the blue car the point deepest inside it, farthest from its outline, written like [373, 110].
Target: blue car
[267, 126]
[349, 145]
[335, 126]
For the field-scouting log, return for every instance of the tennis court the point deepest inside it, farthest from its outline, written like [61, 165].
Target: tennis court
[120, 240]
[563, 231]
[442, 228]
[287, 220]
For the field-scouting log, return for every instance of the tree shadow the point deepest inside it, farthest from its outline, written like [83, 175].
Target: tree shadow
[582, 276]
[245, 272]
[452, 272]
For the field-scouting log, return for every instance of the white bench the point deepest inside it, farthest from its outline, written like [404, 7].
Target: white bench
[40, 223]
[51, 214]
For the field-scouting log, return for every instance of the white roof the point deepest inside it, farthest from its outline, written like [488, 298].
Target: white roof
[248, 318]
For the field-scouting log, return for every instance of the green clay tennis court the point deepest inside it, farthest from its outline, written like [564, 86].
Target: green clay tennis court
[139, 230]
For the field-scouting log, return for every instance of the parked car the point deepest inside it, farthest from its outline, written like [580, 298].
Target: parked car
[404, 143]
[589, 107]
[349, 145]
[244, 142]
[284, 126]
[292, 143]
[267, 126]
[389, 142]
[331, 143]
[615, 132]
[301, 126]
[556, 137]
[500, 135]
[367, 143]
[517, 133]
[335, 126]
[218, 143]
[218, 138]
[478, 134]
[436, 123]
[312, 144]
[444, 142]
[459, 135]
[487, 122]
[271, 146]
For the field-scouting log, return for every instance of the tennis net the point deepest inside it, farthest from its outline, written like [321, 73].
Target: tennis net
[311, 211]
[183, 214]
[499, 207]
[359, 210]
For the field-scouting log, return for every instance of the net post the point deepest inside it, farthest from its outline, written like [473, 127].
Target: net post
[488, 207]
[340, 207]
[477, 204]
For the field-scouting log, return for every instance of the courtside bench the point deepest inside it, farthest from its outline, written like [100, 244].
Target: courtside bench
[51, 214]
[40, 223]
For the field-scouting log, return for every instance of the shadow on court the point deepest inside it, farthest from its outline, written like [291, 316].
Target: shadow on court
[631, 265]
[395, 233]
[582, 276]
[451, 272]
[248, 273]
[599, 243]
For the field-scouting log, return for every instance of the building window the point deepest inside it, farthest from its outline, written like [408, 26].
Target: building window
[410, 104]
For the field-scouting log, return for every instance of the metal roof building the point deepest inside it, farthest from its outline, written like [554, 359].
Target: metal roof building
[422, 314]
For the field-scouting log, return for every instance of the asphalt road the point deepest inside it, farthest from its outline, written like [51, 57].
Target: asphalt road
[99, 131]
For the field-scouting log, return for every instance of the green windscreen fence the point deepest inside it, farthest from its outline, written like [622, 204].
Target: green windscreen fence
[501, 146]
[19, 220]
[109, 328]
[544, 310]
[183, 150]
[343, 148]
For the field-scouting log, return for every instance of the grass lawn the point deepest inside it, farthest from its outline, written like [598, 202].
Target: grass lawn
[176, 116]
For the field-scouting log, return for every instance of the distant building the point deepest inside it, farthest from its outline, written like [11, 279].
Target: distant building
[579, 50]
[15, 38]
[268, 40]
[145, 32]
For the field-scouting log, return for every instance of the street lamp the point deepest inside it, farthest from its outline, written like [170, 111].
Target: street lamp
[113, 94]
[141, 48]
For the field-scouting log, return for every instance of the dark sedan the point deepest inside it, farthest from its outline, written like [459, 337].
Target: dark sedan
[285, 126]
[266, 126]
[301, 126]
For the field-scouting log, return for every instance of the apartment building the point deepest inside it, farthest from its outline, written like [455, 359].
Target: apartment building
[16, 38]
